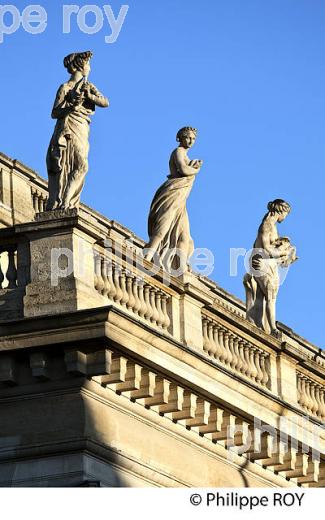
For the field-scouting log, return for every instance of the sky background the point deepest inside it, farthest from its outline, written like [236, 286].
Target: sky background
[249, 74]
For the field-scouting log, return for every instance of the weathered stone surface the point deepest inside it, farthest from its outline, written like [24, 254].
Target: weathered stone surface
[168, 224]
[67, 156]
[270, 252]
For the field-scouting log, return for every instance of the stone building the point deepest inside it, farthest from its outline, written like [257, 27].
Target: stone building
[109, 376]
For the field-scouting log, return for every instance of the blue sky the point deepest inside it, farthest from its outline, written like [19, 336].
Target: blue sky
[249, 74]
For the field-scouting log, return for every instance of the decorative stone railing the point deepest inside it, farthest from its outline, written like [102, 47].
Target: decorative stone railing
[8, 267]
[311, 396]
[39, 200]
[234, 352]
[14, 276]
[132, 292]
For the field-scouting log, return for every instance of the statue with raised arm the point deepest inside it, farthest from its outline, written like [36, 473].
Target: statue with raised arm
[168, 224]
[67, 156]
[269, 254]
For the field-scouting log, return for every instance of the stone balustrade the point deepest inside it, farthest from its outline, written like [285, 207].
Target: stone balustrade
[131, 292]
[193, 311]
[234, 352]
[14, 276]
[311, 396]
[39, 199]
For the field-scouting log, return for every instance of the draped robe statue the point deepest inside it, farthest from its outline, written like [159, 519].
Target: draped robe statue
[168, 223]
[269, 254]
[67, 156]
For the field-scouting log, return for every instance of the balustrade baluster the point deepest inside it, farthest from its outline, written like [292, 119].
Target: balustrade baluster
[97, 274]
[38, 206]
[242, 356]
[237, 360]
[314, 404]
[232, 350]
[264, 364]
[136, 284]
[303, 394]
[227, 349]
[308, 405]
[257, 359]
[243, 366]
[166, 322]
[253, 369]
[143, 305]
[1, 272]
[322, 402]
[41, 202]
[106, 287]
[318, 401]
[35, 202]
[147, 298]
[246, 350]
[129, 289]
[206, 341]
[12, 267]
[212, 349]
[125, 297]
[216, 340]
[155, 315]
[299, 389]
[223, 351]
[110, 277]
[116, 276]
[160, 319]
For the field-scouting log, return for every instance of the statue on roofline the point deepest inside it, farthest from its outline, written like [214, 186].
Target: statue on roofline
[67, 156]
[270, 253]
[168, 223]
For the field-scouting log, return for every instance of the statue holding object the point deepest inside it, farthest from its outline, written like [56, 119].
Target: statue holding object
[270, 253]
[168, 223]
[67, 156]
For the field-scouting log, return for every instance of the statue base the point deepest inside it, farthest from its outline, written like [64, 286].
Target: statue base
[54, 214]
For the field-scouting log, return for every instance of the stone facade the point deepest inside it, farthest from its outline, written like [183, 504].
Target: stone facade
[110, 376]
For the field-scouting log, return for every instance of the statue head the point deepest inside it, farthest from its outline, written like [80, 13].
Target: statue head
[78, 61]
[279, 207]
[186, 136]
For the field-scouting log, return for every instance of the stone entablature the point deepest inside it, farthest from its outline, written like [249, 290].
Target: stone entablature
[157, 381]
[180, 348]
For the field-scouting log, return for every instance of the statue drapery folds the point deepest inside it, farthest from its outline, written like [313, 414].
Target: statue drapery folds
[270, 253]
[67, 156]
[168, 223]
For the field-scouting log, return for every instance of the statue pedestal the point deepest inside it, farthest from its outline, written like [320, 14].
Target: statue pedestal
[62, 264]
[55, 214]
[195, 297]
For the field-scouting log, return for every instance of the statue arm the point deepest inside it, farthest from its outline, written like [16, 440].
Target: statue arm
[61, 108]
[183, 165]
[269, 247]
[96, 97]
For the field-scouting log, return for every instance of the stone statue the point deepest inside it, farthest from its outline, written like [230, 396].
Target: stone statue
[67, 156]
[168, 224]
[270, 252]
